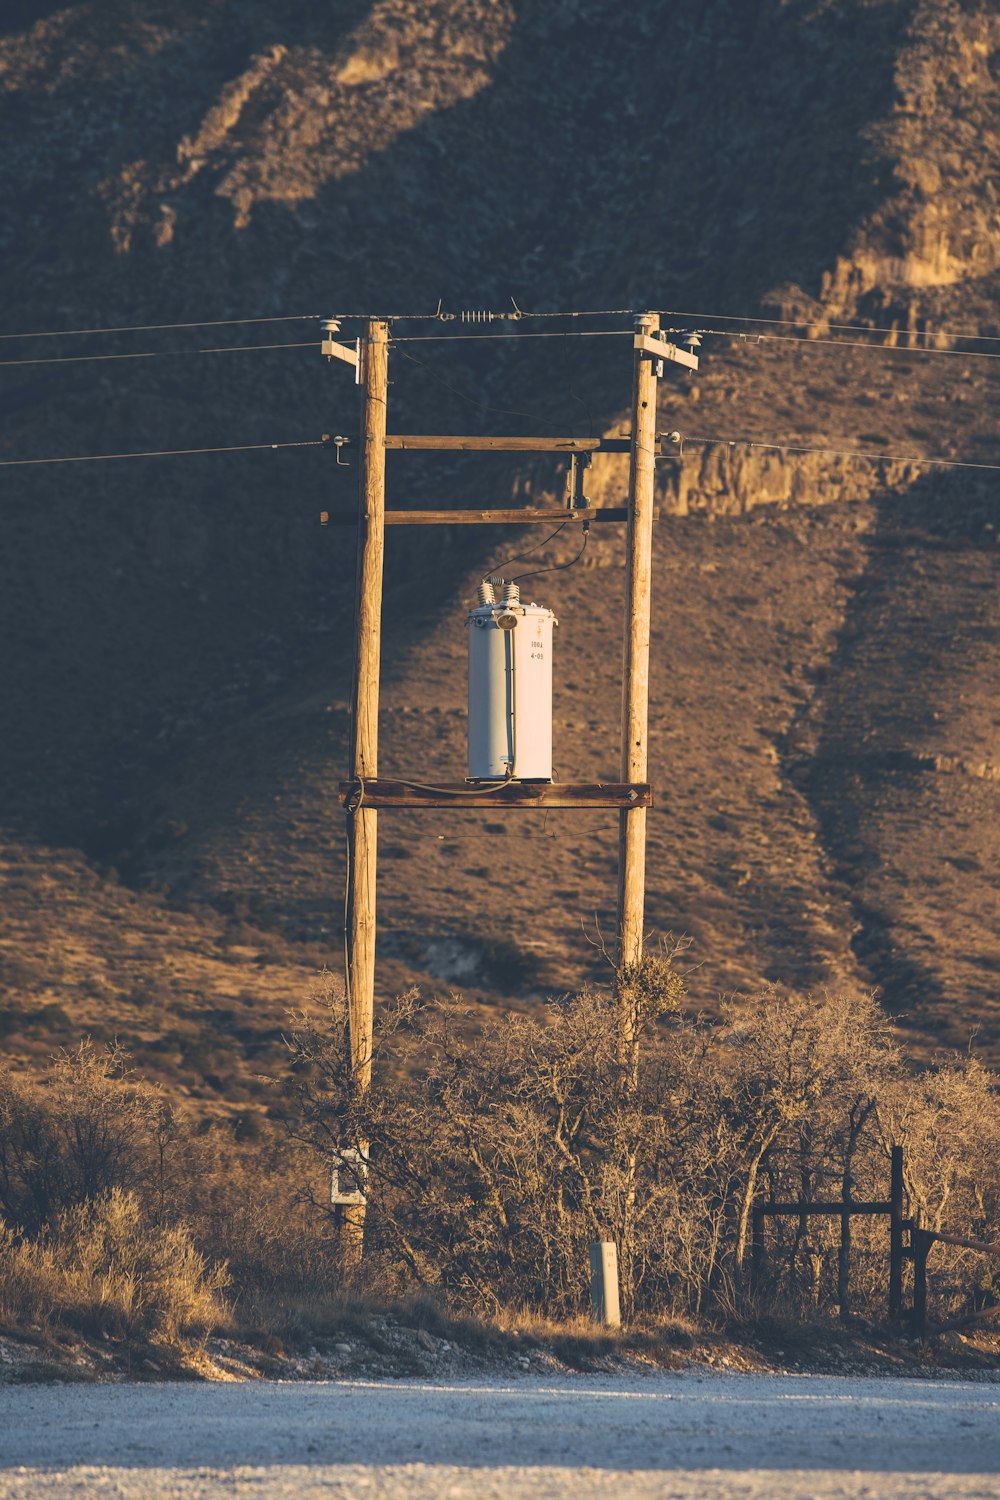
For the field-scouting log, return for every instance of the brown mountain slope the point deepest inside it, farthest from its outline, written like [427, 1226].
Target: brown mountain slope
[176, 630]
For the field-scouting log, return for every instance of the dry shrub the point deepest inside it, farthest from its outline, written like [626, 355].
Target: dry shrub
[91, 1128]
[497, 1154]
[103, 1269]
[260, 1207]
[97, 1170]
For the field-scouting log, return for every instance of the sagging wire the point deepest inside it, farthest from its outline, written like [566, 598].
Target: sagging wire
[519, 556]
[897, 458]
[559, 567]
[69, 333]
[480, 316]
[811, 343]
[100, 458]
[577, 333]
[984, 338]
[84, 359]
[356, 797]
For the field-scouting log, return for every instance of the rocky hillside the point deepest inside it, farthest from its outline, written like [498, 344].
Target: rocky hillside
[176, 629]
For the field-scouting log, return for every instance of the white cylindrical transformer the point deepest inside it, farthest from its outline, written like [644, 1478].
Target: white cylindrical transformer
[510, 689]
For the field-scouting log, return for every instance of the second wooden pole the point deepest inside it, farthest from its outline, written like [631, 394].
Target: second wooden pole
[635, 682]
[362, 822]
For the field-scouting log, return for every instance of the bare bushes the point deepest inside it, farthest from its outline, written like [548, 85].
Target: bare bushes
[89, 1131]
[498, 1153]
[117, 1215]
[104, 1269]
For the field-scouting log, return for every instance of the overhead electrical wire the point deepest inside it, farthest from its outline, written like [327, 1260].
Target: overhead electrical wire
[862, 454]
[755, 339]
[750, 339]
[985, 338]
[746, 337]
[69, 333]
[471, 316]
[577, 333]
[66, 333]
[558, 567]
[82, 359]
[100, 458]
[722, 442]
[520, 556]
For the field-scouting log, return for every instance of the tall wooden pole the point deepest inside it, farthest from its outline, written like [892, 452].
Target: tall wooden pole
[362, 823]
[635, 684]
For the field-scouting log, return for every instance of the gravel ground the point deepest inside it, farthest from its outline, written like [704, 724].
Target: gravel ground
[666, 1435]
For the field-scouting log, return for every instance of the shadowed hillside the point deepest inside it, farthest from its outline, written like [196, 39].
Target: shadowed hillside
[175, 671]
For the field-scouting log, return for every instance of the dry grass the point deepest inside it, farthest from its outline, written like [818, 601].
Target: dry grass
[104, 1270]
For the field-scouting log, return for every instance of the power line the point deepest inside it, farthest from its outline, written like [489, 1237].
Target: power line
[723, 442]
[746, 338]
[519, 313]
[81, 359]
[896, 458]
[68, 333]
[808, 343]
[99, 458]
[951, 333]
[577, 333]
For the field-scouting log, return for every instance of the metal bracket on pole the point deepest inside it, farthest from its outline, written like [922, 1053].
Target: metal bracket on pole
[353, 1162]
[333, 350]
[659, 350]
[578, 465]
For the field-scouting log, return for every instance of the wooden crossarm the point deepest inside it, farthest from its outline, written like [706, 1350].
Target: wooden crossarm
[468, 796]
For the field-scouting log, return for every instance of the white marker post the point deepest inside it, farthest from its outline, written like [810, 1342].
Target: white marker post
[604, 1283]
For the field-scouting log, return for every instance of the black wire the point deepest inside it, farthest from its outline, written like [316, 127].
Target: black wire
[84, 359]
[557, 567]
[66, 333]
[518, 556]
[97, 458]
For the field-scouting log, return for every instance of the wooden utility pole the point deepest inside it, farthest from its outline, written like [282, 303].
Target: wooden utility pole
[362, 821]
[635, 681]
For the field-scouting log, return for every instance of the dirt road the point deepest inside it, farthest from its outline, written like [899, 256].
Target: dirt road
[705, 1435]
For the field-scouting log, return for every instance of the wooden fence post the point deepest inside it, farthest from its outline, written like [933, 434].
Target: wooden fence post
[896, 1235]
[844, 1258]
[758, 1249]
[921, 1241]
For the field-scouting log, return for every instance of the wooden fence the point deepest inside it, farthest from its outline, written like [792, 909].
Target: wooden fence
[907, 1241]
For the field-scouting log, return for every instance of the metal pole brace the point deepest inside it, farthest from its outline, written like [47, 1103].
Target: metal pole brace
[340, 443]
[659, 350]
[333, 350]
[579, 463]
